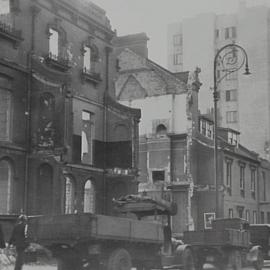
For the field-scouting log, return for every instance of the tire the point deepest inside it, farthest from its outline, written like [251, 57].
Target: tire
[258, 265]
[188, 260]
[119, 260]
[235, 260]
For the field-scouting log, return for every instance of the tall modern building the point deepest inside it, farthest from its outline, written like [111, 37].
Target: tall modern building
[244, 103]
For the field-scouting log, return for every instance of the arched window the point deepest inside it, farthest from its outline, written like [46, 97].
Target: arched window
[89, 204]
[161, 130]
[6, 179]
[69, 195]
[44, 197]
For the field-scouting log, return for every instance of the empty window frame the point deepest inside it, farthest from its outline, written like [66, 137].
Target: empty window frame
[161, 130]
[158, 175]
[87, 66]
[53, 43]
[87, 137]
[206, 128]
[232, 138]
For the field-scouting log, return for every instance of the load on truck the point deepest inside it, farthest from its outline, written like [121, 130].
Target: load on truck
[99, 242]
[260, 235]
[227, 245]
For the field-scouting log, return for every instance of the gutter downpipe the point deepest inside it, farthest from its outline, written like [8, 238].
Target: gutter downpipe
[107, 52]
[34, 11]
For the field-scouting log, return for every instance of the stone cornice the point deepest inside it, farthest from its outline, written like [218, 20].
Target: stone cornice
[5, 62]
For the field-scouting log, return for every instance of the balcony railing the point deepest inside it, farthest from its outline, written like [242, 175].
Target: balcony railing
[7, 30]
[60, 63]
[88, 75]
[121, 172]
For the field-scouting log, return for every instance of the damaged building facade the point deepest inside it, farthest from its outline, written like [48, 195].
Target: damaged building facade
[66, 145]
[169, 110]
[176, 156]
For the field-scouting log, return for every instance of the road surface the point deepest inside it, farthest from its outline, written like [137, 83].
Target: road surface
[53, 267]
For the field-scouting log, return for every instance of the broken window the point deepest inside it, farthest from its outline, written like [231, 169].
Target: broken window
[53, 44]
[5, 111]
[46, 131]
[90, 60]
[87, 59]
[87, 138]
[6, 175]
[5, 17]
[69, 195]
[89, 197]
[161, 130]
[158, 175]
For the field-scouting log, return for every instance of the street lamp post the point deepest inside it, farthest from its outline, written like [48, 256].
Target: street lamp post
[228, 59]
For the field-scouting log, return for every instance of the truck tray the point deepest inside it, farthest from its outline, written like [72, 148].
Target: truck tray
[225, 237]
[72, 228]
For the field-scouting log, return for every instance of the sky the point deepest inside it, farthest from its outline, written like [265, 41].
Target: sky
[153, 17]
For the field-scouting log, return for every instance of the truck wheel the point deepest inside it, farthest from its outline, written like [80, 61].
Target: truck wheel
[188, 260]
[258, 265]
[235, 260]
[119, 260]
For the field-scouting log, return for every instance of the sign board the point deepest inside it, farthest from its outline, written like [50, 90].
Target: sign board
[208, 217]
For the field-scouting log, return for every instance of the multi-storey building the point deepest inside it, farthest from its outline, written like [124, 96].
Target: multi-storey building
[168, 106]
[244, 100]
[176, 156]
[65, 144]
